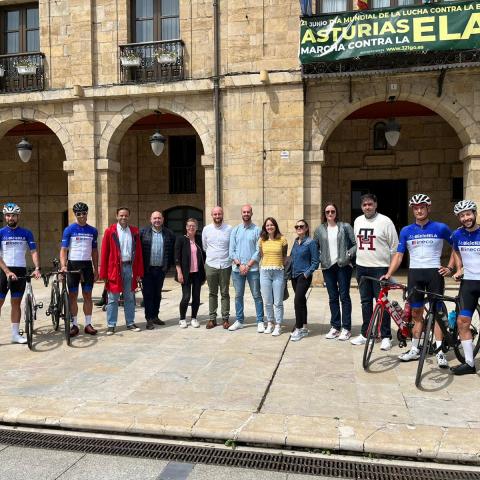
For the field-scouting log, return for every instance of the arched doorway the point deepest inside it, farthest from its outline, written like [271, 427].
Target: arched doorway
[174, 179]
[176, 217]
[40, 186]
[426, 159]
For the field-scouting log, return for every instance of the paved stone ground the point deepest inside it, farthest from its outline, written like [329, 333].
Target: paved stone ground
[215, 384]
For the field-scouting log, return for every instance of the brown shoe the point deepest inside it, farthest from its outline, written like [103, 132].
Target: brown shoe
[211, 324]
[150, 325]
[226, 324]
[90, 330]
[74, 331]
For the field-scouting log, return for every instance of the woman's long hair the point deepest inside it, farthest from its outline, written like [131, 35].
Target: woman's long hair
[264, 233]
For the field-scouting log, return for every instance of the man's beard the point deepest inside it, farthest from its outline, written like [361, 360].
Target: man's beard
[12, 224]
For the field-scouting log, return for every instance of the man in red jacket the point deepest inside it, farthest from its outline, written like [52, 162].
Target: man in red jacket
[121, 267]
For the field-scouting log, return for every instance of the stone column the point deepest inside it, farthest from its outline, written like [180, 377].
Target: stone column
[208, 163]
[312, 192]
[470, 155]
[106, 197]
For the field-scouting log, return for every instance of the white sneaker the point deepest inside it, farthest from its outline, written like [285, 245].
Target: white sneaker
[333, 333]
[194, 323]
[17, 338]
[360, 340]
[442, 360]
[344, 335]
[386, 344]
[304, 331]
[269, 328]
[236, 326]
[183, 324]
[412, 354]
[296, 335]
[260, 327]
[277, 331]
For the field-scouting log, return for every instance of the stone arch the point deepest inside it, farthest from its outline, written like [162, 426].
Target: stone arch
[9, 118]
[458, 116]
[116, 128]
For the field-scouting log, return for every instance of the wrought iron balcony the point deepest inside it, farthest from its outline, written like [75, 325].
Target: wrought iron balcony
[160, 62]
[22, 72]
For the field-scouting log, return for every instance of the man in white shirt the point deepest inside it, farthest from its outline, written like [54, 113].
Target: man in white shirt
[218, 266]
[377, 241]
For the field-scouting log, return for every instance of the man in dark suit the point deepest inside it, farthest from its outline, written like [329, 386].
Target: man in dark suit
[157, 248]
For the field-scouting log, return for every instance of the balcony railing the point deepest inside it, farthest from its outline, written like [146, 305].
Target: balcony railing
[22, 72]
[160, 62]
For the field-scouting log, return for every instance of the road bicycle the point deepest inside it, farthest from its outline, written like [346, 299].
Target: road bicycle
[30, 308]
[59, 307]
[437, 313]
[401, 316]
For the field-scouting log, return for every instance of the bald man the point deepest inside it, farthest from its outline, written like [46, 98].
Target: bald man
[157, 248]
[218, 266]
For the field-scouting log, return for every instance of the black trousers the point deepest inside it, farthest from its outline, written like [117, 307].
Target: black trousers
[300, 286]
[190, 288]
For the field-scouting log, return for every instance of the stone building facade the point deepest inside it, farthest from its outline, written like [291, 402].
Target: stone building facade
[288, 141]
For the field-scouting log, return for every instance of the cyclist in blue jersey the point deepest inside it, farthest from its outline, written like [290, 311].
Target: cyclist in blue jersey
[79, 252]
[466, 248]
[424, 241]
[15, 241]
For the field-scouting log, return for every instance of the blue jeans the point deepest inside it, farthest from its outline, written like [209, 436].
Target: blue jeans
[369, 291]
[272, 285]
[253, 278]
[128, 299]
[152, 291]
[337, 280]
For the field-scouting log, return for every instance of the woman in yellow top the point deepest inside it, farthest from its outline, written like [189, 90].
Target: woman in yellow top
[273, 252]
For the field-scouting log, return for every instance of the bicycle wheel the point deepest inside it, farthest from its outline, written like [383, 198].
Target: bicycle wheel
[372, 331]
[475, 329]
[66, 316]
[55, 306]
[427, 334]
[29, 321]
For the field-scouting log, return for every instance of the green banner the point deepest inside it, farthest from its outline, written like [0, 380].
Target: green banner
[416, 28]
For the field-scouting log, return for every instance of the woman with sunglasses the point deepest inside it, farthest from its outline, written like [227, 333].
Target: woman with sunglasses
[273, 254]
[304, 256]
[337, 246]
[190, 271]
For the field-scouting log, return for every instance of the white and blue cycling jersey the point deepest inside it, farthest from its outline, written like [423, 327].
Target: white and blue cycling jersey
[424, 244]
[80, 240]
[468, 245]
[14, 243]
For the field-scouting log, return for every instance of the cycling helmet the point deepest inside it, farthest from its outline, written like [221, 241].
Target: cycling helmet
[418, 199]
[80, 207]
[11, 208]
[463, 206]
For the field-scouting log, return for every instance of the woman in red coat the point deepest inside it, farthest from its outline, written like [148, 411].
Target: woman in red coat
[121, 267]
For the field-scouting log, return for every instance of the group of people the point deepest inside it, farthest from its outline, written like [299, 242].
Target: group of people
[246, 253]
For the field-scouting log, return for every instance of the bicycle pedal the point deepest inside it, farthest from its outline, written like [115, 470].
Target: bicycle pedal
[39, 305]
[21, 332]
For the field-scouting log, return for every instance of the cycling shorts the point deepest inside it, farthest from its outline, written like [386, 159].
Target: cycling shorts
[468, 296]
[425, 279]
[16, 288]
[86, 277]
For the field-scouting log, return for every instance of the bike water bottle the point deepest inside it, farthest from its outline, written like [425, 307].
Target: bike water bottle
[452, 319]
[397, 308]
[443, 316]
[407, 313]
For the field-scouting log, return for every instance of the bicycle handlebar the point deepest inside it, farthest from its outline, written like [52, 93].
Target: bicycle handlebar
[384, 283]
[437, 295]
[46, 276]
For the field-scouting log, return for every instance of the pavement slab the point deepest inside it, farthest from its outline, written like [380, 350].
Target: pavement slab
[249, 387]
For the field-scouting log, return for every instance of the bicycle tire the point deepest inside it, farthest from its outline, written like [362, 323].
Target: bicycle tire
[29, 321]
[475, 329]
[373, 329]
[55, 302]
[67, 319]
[427, 333]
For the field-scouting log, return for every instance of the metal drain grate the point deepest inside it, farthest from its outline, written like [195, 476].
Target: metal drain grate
[343, 469]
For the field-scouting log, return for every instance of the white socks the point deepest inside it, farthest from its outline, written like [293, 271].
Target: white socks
[468, 352]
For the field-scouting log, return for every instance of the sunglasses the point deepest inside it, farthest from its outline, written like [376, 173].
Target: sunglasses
[330, 211]
[297, 227]
[81, 214]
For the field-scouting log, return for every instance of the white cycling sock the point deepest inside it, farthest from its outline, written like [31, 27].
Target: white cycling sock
[468, 351]
[415, 343]
[438, 343]
[88, 320]
[74, 321]
[15, 327]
